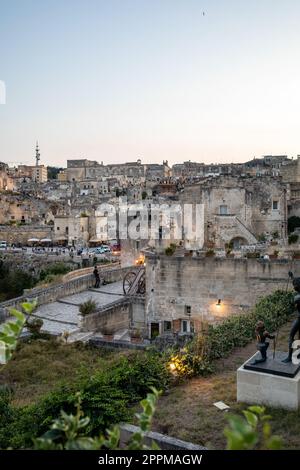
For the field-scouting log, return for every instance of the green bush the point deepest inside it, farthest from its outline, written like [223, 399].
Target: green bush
[293, 238]
[210, 253]
[14, 281]
[108, 397]
[88, 307]
[262, 237]
[54, 270]
[238, 330]
[170, 250]
[34, 326]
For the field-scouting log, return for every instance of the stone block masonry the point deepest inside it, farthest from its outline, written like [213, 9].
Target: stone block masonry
[191, 287]
[59, 291]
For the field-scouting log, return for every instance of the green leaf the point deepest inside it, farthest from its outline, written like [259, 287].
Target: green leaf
[28, 307]
[16, 313]
[251, 418]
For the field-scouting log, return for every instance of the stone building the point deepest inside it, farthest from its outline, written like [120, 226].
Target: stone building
[239, 210]
[129, 172]
[6, 181]
[184, 292]
[25, 209]
[71, 230]
[290, 172]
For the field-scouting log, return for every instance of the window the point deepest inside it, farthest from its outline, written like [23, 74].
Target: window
[184, 326]
[188, 309]
[57, 228]
[167, 326]
[223, 210]
[187, 326]
[275, 205]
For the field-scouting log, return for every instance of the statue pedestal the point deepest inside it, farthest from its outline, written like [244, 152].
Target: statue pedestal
[271, 383]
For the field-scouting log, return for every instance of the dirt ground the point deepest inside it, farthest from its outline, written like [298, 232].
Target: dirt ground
[187, 411]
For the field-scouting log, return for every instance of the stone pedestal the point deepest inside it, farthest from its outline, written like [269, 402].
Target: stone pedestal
[271, 384]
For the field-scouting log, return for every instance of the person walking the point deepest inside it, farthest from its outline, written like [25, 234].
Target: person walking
[97, 277]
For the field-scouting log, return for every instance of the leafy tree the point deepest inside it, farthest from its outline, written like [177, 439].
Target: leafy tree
[13, 282]
[53, 172]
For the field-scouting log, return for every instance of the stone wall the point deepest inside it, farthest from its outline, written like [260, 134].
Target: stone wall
[57, 291]
[21, 234]
[189, 288]
[115, 317]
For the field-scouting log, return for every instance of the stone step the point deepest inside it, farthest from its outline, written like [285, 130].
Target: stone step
[82, 336]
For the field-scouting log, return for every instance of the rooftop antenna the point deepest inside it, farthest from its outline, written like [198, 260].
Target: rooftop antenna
[37, 154]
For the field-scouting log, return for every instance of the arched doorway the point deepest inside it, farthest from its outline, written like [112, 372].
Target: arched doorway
[238, 242]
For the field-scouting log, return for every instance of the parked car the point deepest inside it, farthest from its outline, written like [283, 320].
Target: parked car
[106, 248]
[102, 249]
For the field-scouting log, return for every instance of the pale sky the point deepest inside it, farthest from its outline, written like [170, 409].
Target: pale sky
[117, 80]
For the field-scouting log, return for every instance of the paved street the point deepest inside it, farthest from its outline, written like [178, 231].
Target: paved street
[62, 315]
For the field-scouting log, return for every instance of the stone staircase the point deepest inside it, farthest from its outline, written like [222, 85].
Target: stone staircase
[245, 232]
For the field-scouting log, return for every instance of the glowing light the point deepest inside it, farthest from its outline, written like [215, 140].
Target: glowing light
[140, 260]
[172, 367]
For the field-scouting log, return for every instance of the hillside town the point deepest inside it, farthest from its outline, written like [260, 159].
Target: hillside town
[149, 233]
[249, 233]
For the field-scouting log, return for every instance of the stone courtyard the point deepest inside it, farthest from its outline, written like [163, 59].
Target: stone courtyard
[63, 315]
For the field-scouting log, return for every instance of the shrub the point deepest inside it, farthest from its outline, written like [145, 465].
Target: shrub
[68, 431]
[209, 253]
[262, 237]
[107, 398]
[34, 326]
[14, 281]
[54, 270]
[238, 330]
[88, 307]
[170, 250]
[293, 238]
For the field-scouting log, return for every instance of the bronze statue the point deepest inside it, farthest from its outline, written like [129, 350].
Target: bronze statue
[296, 324]
[262, 345]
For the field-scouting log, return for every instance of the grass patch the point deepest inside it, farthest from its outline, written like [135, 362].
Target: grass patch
[43, 378]
[38, 366]
[187, 411]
